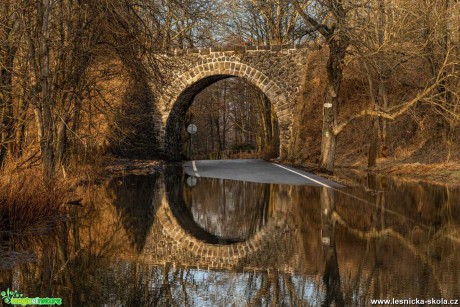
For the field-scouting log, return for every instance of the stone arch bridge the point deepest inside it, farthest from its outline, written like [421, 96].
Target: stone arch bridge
[278, 71]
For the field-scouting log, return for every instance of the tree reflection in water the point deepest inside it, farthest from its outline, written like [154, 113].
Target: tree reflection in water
[338, 251]
[135, 197]
[331, 276]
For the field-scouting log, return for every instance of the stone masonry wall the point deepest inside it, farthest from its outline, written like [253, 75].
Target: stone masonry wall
[276, 71]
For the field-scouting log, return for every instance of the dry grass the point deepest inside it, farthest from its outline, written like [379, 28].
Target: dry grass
[27, 203]
[440, 173]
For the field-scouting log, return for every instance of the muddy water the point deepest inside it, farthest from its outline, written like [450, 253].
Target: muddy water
[160, 240]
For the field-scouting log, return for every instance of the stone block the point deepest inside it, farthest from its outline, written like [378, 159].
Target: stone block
[193, 51]
[239, 49]
[205, 51]
[227, 48]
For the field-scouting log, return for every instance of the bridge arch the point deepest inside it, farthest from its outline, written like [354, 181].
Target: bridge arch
[216, 255]
[180, 94]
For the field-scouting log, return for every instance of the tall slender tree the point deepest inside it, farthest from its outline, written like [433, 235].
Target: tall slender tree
[329, 18]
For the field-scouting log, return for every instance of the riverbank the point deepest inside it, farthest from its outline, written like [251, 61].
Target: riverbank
[447, 174]
[437, 173]
[133, 166]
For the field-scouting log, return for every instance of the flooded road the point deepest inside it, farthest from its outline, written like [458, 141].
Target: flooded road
[163, 240]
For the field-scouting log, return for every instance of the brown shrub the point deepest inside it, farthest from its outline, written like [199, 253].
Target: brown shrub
[27, 203]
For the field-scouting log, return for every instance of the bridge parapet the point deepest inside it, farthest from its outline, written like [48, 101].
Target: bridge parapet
[237, 49]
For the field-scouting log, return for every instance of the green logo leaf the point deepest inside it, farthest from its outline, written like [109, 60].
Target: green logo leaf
[9, 294]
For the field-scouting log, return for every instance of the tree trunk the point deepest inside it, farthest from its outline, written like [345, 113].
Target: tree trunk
[334, 67]
[383, 122]
[6, 101]
[383, 98]
[20, 126]
[211, 133]
[219, 137]
[224, 118]
[374, 145]
[337, 41]
[61, 144]
[47, 141]
[266, 122]
[331, 276]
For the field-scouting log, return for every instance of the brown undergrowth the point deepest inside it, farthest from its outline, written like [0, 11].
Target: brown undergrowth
[27, 202]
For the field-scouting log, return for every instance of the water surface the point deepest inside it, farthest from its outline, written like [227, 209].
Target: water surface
[156, 240]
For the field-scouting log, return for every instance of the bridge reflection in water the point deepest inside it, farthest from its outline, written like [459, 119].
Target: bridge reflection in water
[146, 240]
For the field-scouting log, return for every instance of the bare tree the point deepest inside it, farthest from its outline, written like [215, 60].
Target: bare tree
[9, 37]
[329, 18]
[390, 40]
[256, 22]
[383, 37]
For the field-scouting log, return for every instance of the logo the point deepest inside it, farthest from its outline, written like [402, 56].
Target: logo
[13, 297]
[8, 295]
